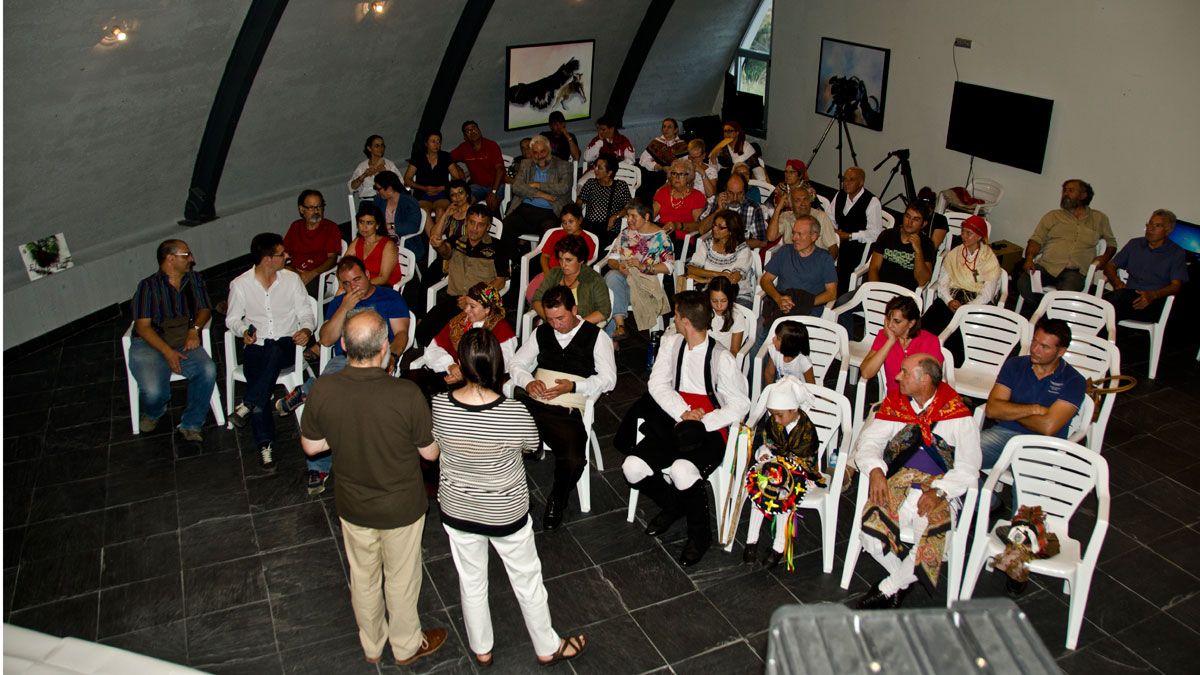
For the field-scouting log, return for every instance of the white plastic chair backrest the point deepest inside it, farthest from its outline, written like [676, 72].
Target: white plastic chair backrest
[1085, 314]
[986, 189]
[889, 221]
[408, 269]
[353, 208]
[1054, 474]
[828, 342]
[873, 297]
[508, 159]
[1093, 356]
[765, 190]
[748, 338]
[496, 229]
[830, 415]
[1081, 421]
[955, 220]
[989, 334]
[826, 205]
[628, 173]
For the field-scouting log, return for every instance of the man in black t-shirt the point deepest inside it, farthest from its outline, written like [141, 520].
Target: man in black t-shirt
[904, 255]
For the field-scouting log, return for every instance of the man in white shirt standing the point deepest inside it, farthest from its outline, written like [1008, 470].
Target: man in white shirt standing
[858, 219]
[567, 361]
[269, 309]
[696, 390]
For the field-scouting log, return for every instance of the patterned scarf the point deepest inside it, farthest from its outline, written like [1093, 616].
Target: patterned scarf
[946, 405]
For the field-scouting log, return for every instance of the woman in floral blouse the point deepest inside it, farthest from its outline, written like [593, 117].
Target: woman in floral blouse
[643, 249]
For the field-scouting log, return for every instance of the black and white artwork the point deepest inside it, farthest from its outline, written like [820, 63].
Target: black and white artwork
[548, 77]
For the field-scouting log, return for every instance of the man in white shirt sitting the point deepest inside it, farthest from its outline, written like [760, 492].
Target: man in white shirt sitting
[269, 309]
[696, 391]
[567, 361]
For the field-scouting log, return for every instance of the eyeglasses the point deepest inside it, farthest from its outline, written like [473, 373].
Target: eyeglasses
[182, 254]
[379, 144]
[312, 208]
[279, 255]
[720, 226]
[681, 174]
[729, 131]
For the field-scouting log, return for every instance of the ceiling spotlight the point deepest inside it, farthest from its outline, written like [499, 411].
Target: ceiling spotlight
[378, 7]
[120, 34]
[114, 32]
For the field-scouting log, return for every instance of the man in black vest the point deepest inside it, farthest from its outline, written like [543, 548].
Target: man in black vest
[858, 217]
[568, 361]
[696, 391]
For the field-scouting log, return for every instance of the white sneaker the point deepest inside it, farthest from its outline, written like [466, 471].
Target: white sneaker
[240, 415]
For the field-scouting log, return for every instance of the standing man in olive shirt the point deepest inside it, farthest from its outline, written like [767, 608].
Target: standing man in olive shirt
[377, 427]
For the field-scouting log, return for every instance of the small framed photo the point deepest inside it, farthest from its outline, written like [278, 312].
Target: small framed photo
[547, 77]
[46, 256]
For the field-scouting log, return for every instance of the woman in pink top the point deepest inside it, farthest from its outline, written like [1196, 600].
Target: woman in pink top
[901, 336]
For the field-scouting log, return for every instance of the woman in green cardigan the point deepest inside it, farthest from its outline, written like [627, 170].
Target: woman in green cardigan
[591, 293]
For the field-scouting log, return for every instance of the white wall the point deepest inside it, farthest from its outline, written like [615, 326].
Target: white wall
[1122, 75]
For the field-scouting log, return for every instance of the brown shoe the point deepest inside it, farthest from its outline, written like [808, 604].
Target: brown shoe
[433, 641]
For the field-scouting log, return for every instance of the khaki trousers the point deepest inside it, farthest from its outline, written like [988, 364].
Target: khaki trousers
[390, 559]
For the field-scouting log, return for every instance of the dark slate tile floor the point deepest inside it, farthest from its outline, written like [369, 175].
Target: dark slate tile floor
[189, 552]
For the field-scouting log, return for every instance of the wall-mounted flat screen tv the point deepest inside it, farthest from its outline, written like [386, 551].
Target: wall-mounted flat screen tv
[999, 126]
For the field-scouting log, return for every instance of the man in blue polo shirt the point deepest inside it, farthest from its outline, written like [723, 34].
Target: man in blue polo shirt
[1157, 268]
[1034, 394]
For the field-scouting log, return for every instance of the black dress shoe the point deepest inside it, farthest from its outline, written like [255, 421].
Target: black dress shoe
[875, 599]
[751, 553]
[693, 551]
[1014, 588]
[772, 559]
[553, 516]
[661, 523]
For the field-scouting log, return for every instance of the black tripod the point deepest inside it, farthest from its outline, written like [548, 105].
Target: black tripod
[840, 116]
[910, 191]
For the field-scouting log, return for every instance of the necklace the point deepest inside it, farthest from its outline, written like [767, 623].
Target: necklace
[971, 262]
[678, 203]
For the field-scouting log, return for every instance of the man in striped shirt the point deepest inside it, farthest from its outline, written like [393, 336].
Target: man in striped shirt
[170, 308]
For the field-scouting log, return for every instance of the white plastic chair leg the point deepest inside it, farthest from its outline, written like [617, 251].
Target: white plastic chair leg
[854, 546]
[1156, 340]
[631, 512]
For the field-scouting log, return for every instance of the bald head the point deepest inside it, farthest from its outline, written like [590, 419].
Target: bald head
[364, 337]
[919, 376]
[735, 184]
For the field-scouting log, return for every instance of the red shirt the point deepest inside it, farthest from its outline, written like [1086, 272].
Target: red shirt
[309, 248]
[481, 163]
[548, 249]
[924, 343]
[682, 213]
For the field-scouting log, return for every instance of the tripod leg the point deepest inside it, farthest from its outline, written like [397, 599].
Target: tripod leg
[853, 154]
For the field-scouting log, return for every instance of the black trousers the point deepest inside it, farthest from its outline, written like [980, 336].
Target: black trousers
[849, 255]
[562, 431]
[1122, 302]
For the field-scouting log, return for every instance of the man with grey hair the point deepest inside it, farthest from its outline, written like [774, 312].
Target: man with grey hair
[1156, 267]
[1064, 243]
[540, 189]
[921, 455]
[857, 219]
[377, 427]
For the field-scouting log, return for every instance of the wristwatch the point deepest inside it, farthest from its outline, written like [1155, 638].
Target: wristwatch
[941, 494]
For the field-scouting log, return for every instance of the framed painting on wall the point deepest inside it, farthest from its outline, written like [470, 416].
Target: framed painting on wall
[547, 77]
[852, 82]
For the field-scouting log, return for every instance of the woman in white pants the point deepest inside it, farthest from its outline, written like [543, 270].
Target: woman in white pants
[484, 499]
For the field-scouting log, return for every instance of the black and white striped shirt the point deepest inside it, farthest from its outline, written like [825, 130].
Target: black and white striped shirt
[483, 488]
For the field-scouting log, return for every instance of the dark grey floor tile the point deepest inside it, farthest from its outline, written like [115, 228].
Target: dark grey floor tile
[22, 424]
[210, 472]
[54, 538]
[75, 414]
[23, 448]
[14, 539]
[261, 665]
[140, 483]
[1116, 543]
[93, 436]
[677, 640]
[87, 393]
[72, 466]
[617, 646]
[1127, 472]
[198, 507]
[1136, 518]
[338, 655]
[291, 526]
[293, 570]
[1181, 547]
[140, 519]
[314, 614]
[1187, 612]
[145, 450]
[27, 402]
[1158, 640]
[1048, 615]
[167, 642]
[1167, 495]
[286, 487]
[560, 553]
[716, 566]
[53, 579]
[214, 541]
[747, 602]
[1110, 605]
[1152, 577]
[1104, 656]
[139, 605]
[228, 637]
[19, 478]
[224, 585]
[582, 598]
[608, 537]
[67, 499]
[731, 659]
[140, 559]
[73, 617]
[646, 578]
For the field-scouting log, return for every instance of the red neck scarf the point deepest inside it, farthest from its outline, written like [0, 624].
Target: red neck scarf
[946, 405]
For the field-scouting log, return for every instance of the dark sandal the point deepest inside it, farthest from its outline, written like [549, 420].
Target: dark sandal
[579, 642]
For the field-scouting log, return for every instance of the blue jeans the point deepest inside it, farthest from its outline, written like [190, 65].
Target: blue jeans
[619, 286]
[991, 443]
[323, 461]
[153, 377]
[262, 362]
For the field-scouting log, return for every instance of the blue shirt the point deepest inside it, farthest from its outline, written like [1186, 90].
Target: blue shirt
[1152, 268]
[540, 175]
[1064, 384]
[384, 300]
[791, 270]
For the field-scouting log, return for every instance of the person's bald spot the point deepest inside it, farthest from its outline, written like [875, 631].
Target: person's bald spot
[364, 335]
[735, 184]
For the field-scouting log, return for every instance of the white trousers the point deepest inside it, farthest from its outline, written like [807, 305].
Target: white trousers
[520, 558]
[756, 520]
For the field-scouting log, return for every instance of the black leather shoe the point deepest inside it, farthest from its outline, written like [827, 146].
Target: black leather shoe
[875, 599]
[772, 559]
[661, 523]
[553, 516]
[1014, 588]
[751, 553]
[692, 552]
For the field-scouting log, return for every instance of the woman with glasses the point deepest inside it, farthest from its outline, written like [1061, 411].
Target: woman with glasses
[678, 205]
[641, 251]
[605, 198]
[723, 253]
[452, 221]
[372, 246]
[734, 148]
[360, 181]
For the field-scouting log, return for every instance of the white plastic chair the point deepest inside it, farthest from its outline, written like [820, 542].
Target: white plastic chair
[873, 296]
[860, 273]
[1157, 329]
[830, 415]
[1088, 278]
[989, 335]
[290, 378]
[628, 173]
[353, 208]
[135, 404]
[1084, 313]
[956, 540]
[826, 205]
[990, 191]
[327, 282]
[528, 258]
[496, 231]
[1056, 475]
[827, 342]
[765, 190]
[1095, 358]
[722, 478]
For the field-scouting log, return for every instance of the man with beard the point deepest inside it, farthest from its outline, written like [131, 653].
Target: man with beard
[313, 241]
[1064, 243]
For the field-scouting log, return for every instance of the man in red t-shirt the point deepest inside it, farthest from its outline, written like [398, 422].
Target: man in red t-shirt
[485, 163]
[313, 242]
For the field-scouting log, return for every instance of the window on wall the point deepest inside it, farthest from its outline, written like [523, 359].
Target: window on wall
[746, 82]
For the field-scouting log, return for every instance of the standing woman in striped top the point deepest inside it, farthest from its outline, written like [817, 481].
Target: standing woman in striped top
[484, 498]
